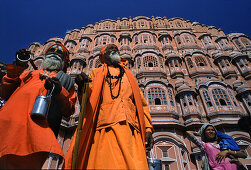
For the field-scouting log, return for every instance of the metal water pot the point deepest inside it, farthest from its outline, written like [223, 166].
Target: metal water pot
[41, 106]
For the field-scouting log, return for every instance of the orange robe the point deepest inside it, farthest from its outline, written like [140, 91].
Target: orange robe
[117, 141]
[21, 138]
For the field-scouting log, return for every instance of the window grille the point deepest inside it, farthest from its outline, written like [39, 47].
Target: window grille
[207, 99]
[98, 63]
[220, 97]
[189, 62]
[178, 24]
[91, 63]
[245, 41]
[178, 40]
[150, 61]
[170, 95]
[237, 42]
[199, 60]
[139, 62]
[187, 39]
[157, 96]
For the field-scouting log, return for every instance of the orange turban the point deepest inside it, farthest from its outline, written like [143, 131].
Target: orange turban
[60, 49]
[102, 53]
[123, 61]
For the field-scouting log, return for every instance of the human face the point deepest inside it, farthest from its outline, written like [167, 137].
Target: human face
[210, 133]
[53, 62]
[112, 55]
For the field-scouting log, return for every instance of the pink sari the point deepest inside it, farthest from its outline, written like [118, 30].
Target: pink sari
[212, 151]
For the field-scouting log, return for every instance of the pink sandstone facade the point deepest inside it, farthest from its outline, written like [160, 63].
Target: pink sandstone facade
[190, 73]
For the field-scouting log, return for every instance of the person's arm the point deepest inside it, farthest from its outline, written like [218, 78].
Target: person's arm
[147, 116]
[11, 80]
[83, 78]
[148, 124]
[194, 139]
[237, 154]
[232, 154]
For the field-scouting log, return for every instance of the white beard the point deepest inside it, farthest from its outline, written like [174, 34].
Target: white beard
[113, 59]
[53, 62]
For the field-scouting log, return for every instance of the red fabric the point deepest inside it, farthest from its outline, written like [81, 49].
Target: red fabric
[19, 134]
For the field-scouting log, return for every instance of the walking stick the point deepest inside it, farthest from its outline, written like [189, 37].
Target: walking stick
[80, 123]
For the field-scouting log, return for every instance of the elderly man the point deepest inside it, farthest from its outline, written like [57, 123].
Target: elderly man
[117, 124]
[25, 142]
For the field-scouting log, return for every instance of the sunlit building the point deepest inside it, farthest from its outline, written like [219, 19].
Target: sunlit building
[190, 73]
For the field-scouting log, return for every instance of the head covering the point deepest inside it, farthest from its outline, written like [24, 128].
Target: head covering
[123, 61]
[102, 53]
[61, 50]
[202, 131]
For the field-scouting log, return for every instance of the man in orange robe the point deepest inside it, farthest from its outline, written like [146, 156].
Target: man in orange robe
[25, 143]
[117, 124]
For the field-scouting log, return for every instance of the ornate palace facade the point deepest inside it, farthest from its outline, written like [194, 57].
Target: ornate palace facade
[190, 73]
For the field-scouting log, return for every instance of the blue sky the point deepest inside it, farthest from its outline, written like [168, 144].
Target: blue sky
[25, 21]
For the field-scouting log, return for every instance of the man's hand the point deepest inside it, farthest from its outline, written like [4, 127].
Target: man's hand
[221, 156]
[22, 54]
[49, 85]
[80, 80]
[149, 141]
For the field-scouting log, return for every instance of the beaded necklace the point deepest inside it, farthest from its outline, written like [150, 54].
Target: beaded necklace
[109, 78]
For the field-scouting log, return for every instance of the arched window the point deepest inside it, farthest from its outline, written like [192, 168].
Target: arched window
[154, 39]
[136, 39]
[207, 99]
[85, 43]
[142, 24]
[178, 24]
[139, 62]
[199, 60]
[245, 41]
[220, 97]
[237, 42]
[178, 40]
[106, 25]
[98, 63]
[91, 64]
[189, 62]
[105, 40]
[96, 41]
[150, 61]
[157, 96]
[187, 39]
[232, 97]
[190, 101]
[145, 38]
[170, 95]
[164, 40]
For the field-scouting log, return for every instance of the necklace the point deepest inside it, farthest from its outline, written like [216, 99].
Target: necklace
[109, 78]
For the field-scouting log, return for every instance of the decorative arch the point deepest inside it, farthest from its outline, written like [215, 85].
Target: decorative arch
[168, 146]
[150, 61]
